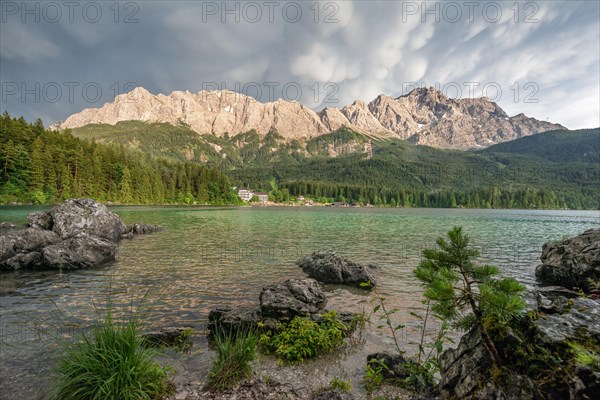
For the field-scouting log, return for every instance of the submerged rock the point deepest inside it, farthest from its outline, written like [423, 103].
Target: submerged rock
[87, 216]
[143, 229]
[294, 297]
[329, 267]
[175, 337]
[572, 263]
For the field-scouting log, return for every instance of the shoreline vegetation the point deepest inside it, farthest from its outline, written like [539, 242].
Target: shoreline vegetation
[40, 166]
[513, 344]
[506, 350]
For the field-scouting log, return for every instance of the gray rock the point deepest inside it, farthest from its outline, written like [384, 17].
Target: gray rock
[331, 394]
[40, 220]
[329, 267]
[7, 225]
[176, 337]
[585, 385]
[87, 216]
[580, 315]
[81, 251]
[7, 246]
[32, 239]
[394, 365]
[572, 263]
[25, 240]
[294, 297]
[461, 368]
[233, 320]
[31, 260]
[143, 229]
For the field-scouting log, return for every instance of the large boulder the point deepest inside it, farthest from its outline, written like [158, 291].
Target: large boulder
[87, 216]
[294, 297]
[572, 263]
[81, 251]
[329, 267]
[40, 220]
[75, 234]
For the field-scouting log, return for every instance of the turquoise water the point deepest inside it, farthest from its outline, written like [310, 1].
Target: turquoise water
[208, 257]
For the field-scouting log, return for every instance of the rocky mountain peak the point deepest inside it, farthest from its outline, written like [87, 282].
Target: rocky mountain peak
[423, 116]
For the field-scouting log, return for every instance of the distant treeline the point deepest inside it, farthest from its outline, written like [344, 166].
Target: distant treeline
[492, 197]
[43, 166]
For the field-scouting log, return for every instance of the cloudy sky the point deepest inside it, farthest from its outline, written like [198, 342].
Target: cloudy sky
[541, 58]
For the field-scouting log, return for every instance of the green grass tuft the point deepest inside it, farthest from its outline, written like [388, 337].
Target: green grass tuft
[110, 363]
[235, 353]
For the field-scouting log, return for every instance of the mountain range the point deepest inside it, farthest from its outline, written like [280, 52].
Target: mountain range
[424, 116]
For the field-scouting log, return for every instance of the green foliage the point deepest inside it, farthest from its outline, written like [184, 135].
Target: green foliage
[373, 377]
[43, 166]
[466, 294]
[110, 363]
[303, 338]
[340, 384]
[386, 317]
[585, 357]
[555, 170]
[557, 146]
[235, 353]
[419, 372]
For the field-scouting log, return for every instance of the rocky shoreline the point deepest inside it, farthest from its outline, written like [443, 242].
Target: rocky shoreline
[563, 311]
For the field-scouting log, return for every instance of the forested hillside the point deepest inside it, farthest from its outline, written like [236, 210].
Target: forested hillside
[557, 146]
[418, 176]
[552, 170]
[42, 166]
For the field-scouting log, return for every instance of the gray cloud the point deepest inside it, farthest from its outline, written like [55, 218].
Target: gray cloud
[546, 67]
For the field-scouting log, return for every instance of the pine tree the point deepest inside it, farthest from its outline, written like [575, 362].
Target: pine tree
[126, 190]
[471, 296]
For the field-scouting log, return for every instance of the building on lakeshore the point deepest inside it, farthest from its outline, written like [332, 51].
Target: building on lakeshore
[245, 194]
[262, 196]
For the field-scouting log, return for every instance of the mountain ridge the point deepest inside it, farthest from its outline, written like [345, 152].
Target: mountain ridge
[423, 116]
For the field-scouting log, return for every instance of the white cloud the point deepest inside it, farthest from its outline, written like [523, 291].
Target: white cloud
[371, 49]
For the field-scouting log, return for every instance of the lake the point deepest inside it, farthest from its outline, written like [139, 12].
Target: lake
[207, 257]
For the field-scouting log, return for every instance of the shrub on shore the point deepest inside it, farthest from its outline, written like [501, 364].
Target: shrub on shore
[110, 363]
[303, 338]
